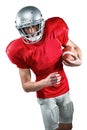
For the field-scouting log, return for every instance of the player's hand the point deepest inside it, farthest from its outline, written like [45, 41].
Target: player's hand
[75, 62]
[52, 79]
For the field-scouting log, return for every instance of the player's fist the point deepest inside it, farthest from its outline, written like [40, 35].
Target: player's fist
[52, 79]
[70, 56]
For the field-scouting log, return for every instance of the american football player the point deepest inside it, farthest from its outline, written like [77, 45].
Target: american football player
[40, 49]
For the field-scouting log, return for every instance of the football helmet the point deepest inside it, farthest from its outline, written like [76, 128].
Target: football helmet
[30, 16]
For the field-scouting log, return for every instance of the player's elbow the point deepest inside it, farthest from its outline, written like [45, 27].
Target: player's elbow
[25, 88]
[29, 87]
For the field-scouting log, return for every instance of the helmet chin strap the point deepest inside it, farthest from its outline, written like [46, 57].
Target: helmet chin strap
[32, 40]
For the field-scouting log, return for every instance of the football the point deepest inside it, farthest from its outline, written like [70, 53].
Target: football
[69, 54]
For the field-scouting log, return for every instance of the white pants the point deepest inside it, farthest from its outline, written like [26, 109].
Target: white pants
[56, 110]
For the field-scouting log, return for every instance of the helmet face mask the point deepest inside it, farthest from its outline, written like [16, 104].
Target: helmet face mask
[30, 16]
[34, 36]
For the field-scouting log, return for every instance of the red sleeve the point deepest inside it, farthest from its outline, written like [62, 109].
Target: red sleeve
[58, 28]
[63, 34]
[15, 57]
[61, 31]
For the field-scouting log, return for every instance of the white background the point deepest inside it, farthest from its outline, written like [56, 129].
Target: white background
[20, 110]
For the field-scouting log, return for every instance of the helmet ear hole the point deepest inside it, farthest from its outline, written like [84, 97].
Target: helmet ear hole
[27, 17]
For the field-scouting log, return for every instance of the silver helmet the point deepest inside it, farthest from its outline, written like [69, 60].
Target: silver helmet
[30, 16]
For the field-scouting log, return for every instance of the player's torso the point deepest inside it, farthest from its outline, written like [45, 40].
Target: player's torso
[44, 56]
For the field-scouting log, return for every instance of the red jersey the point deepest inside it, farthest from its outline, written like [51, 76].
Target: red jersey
[43, 57]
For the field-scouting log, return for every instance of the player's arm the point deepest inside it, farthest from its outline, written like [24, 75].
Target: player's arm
[78, 55]
[74, 46]
[30, 86]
